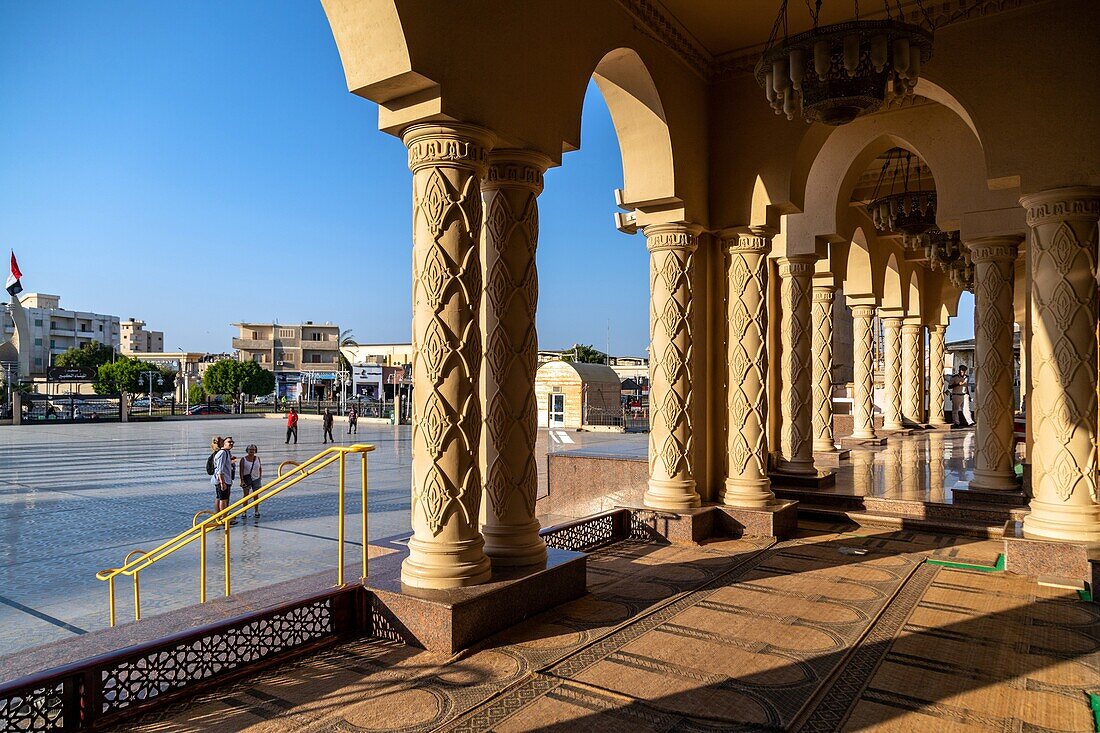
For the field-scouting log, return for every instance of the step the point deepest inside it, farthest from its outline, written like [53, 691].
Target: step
[898, 521]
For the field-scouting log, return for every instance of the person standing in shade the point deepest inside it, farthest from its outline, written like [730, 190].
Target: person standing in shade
[252, 472]
[353, 421]
[326, 423]
[960, 389]
[291, 426]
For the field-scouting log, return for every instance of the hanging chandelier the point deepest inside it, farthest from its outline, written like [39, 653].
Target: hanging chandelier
[835, 73]
[903, 205]
[946, 253]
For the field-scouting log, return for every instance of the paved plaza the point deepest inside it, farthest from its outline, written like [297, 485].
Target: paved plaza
[74, 499]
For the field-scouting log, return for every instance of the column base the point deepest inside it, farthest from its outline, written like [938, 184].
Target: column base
[795, 468]
[899, 430]
[939, 426]
[746, 493]
[854, 442]
[831, 458]
[445, 565]
[1064, 523]
[974, 495]
[671, 495]
[514, 545]
[450, 620]
[1026, 554]
[711, 522]
[816, 480]
[985, 480]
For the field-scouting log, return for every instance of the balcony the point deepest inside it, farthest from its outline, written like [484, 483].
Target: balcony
[252, 344]
[320, 345]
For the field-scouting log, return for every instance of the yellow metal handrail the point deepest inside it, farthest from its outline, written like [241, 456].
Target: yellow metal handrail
[198, 530]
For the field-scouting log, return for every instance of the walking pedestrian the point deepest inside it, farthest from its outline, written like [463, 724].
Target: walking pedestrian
[252, 472]
[291, 426]
[960, 390]
[222, 480]
[326, 423]
[353, 421]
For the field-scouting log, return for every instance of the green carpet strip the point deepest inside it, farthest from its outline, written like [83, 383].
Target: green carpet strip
[995, 568]
[1094, 702]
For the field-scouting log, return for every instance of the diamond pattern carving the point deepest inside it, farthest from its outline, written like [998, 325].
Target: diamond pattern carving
[822, 316]
[892, 357]
[670, 397]
[863, 371]
[796, 395]
[508, 247]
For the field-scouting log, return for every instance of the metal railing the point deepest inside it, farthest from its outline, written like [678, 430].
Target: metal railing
[138, 560]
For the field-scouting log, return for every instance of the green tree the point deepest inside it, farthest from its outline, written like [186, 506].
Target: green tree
[230, 377]
[585, 354]
[92, 354]
[128, 376]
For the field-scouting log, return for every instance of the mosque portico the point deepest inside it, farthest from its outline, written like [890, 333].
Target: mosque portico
[755, 224]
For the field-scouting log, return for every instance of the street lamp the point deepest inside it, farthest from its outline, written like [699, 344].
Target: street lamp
[160, 382]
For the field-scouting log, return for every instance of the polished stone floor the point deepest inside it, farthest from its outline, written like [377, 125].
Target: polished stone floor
[840, 628]
[75, 499]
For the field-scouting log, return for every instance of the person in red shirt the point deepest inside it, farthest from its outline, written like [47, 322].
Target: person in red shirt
[292, 426]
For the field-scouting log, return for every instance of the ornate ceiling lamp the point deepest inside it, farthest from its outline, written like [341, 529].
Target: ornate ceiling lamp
[906, 207]
[834, 73]
[946, 253]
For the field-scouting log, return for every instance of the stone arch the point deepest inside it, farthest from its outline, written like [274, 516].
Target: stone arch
[914, 304]
[892, 295]
[859, 278]
[641, 127]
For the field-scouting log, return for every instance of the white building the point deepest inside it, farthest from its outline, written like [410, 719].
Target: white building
[55, 330]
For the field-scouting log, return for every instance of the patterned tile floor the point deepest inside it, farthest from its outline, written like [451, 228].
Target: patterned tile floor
[839, 629]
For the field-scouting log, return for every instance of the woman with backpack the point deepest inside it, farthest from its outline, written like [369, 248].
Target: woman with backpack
[252, 472]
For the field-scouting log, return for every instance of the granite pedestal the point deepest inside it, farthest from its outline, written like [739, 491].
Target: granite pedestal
[820, 480]
[1037, 557]
[971, 495]
[717, 521]
[450, 620]
[849, 442]
[831, 458]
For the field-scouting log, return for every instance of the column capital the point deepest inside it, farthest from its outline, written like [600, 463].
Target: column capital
[453, 144]
[1058, 204]
[515, 168]
[672, 236]
[937, 328]
[995, 249]
[891, 320]
[795, 265]
[911, 324]
[864, 311]
[753, 240]
[821, 293]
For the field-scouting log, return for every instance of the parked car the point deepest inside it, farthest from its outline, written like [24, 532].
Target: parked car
[265, 399]
[212, 409]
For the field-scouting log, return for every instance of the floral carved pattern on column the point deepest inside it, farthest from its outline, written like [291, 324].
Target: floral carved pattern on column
[863, 371]
[796, 393]
[446, 337]
[747, 355]
[993, 277]
[672, 481]
[822, 318]
[910, 359]
[892, 358]
[511, 344]
[1065, 361]
[936, 387]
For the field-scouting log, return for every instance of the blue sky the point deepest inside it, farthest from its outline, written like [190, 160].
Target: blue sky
[194, 164]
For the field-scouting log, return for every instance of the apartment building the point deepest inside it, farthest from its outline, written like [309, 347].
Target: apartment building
[304, 357]
[134, 339]
[55, 329]
[391, 355]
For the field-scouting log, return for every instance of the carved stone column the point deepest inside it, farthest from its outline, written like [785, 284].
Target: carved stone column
[796, 396]
[863, 372]
[510, 474]
[1063, 363]
[447, 162]
[671, 473]
[821, 319]
[937, 350]
[911, 411]
[994, 259]
[747, 483]
[892, 411]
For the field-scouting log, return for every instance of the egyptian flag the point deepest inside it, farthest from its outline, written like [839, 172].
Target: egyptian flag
[13, 285]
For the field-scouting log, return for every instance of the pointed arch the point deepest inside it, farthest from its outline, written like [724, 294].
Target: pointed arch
[913, 307]
[641, 125]
[892, 296]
